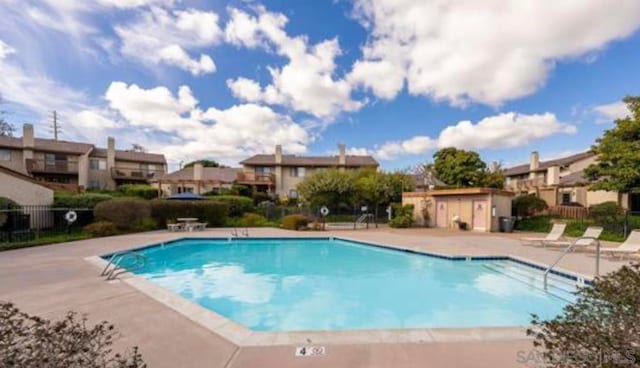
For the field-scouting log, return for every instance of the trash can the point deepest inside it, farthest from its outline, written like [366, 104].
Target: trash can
[506, 224]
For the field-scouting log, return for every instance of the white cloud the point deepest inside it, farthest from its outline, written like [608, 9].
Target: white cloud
[505, 130]
[490, 52]
[306, 83]
[226, 134]
[160, 36]
[5, 50]
[612, 111]
[126, 4]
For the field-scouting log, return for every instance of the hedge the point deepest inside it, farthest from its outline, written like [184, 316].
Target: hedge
[237, 205]
[126, 214]
[101, 228]
[295, 222]
[139, 190]
[86, 200]
[163, 211]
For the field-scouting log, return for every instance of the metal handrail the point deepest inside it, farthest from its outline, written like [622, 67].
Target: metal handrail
[115, 260]
[567, 250]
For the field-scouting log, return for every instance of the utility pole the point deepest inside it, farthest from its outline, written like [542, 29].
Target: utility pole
[56, 129]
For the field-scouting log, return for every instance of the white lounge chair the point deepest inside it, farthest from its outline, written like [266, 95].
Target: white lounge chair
[554, 235]
[584, 241]
[629, 247]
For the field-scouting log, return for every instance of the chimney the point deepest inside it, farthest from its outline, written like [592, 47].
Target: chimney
[111, 153]
[27, 136]
[278, 154]
[535, 161]
[198, 171]
[342, 159]
[553, 175]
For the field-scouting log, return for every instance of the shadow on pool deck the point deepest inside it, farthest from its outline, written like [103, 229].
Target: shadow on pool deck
[51, 280]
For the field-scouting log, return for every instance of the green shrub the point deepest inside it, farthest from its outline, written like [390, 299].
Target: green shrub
[253, 219]
[139, 190]
[528, 205]
[259, 197]
[539, 224]
[84, 200]
[127, 215]
[211, 212]
[294, 222]
[7, 204]
[236, 205]
[605, 212]
[101, 228]
[402, 215]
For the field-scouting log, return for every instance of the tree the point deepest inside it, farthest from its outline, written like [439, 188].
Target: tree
[493, 177]
[459, 168]
[205, 163]
[618, 150]
[330, 187]
[33, 342]
[6, 128]
[135, 147]
[601, 329]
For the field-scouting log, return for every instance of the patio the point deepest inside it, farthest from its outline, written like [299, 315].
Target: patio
[51, 280]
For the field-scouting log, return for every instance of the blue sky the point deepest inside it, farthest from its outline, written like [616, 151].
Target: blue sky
[397, 79]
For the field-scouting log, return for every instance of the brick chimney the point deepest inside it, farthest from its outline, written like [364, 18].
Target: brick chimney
[553, 175]
[198, 171]
[535, 161]
[342, 158]
[278, 154]
[27, 136]
[111, 153]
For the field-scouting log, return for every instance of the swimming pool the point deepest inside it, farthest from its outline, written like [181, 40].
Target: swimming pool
[332, 284]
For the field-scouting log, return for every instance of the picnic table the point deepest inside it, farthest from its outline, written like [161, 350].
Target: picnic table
[187, 223]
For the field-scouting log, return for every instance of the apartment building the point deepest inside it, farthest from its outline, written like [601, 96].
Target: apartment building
[560, 181]
[76, 165]
[279, 173]
[197, 179]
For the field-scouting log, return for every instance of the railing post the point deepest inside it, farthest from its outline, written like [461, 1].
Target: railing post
[597, 258]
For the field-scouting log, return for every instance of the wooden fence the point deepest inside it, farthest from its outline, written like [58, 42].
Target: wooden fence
[568, 212]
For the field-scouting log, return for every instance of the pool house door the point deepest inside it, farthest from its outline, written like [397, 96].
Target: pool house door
[441, 214]
[480, 215]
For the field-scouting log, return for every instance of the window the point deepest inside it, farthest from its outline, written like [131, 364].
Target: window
[293, 194]
[566, 198]
[97, 164]
[298, 172]
[263, 170]
[5, 155]
[94, 184]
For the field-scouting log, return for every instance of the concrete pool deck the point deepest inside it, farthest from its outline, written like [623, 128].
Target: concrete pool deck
[51, 280]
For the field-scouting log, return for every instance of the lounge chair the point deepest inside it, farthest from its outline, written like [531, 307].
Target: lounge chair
[554, 235]
[584, 241]
[629, 247]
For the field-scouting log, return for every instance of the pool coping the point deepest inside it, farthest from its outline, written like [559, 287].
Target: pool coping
[245, 337]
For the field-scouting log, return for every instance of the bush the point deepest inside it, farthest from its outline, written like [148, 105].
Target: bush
[139, 190]
[236, 205]
[33, 342]
[599, 329]
[528, 205]
[101, 228]
[259, 197]
[253, 219]
[402, 215]
[605, 212]
[294, 222]
[85, 200]
[539, 224]
[127, 215]
[163, 211]
[7, 204]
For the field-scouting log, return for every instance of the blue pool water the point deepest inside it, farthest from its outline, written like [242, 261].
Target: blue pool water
[309, 284]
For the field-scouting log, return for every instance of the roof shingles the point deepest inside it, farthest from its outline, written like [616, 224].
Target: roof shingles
[322, 161]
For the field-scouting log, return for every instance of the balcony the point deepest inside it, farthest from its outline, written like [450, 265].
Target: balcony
[52, 167]
[135, 174]
[524, 184]
[256, 178]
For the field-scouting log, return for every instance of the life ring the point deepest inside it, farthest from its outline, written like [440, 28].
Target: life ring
[324, 211]
[71, 216]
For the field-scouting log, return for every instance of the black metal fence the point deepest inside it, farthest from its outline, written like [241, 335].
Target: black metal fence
[336, 214]
[27, 223]
[621, 225]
